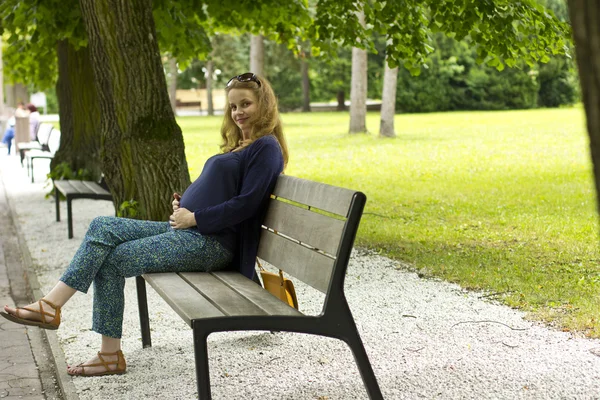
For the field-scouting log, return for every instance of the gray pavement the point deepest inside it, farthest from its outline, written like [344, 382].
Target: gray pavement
[26, 370]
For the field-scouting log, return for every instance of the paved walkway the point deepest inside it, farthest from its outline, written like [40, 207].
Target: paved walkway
[22, 376]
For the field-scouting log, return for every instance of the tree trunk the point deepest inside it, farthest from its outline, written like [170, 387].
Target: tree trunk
[305, 85]
[388, 102]
[143, 153]
[358, 90]
[341, 100]
[1, 83]
[209, 88]
[257, 55]
[79, 111]
[585, 22]
[173, 83]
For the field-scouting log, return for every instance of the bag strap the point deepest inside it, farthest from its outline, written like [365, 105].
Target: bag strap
[280, 271]
[259, 265]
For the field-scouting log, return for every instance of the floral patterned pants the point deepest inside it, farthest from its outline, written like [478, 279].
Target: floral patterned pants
[117, 248]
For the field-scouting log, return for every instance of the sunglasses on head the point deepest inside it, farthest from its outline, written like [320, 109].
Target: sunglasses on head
[247, 77]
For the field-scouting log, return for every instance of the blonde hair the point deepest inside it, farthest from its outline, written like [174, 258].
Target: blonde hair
[266, 122]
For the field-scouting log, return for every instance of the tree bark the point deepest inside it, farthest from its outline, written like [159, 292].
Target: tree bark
[341, 100]
[143, 153]
[1, 83]
[257, 55]
[388, 102]
[173, 83]
[305, 85]
[209, 88]
[358, 90]
[79, 111]
[585, 22]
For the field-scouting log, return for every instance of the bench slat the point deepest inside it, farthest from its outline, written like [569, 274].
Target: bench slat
[329, 198]
[68, 187]
[221, 295]
[64, 187]
[94, 187]
[305, 264]
[86, 187]
[182, 298]
[317, 230]
[256, 294]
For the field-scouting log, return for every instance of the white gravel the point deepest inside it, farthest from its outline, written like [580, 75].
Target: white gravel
[425, 338]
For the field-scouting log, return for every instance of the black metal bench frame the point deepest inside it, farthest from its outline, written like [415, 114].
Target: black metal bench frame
[313, 247]
[75, 189]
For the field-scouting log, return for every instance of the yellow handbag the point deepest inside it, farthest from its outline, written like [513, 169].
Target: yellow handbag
[278, 286]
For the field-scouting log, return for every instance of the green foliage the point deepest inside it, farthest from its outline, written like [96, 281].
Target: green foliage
[63, 171]
[500, 201]
[454, 81]
[559, 83]
[504, 31]
[129, 209]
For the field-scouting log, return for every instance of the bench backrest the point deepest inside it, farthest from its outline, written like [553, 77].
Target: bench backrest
[54, 141]
[309, 230]
[43, 133]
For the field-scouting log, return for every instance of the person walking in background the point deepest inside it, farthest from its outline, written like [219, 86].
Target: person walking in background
[9, 134]
[215, 225]
[34, 121]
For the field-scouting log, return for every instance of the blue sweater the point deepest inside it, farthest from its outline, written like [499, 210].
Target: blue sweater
[231, 195]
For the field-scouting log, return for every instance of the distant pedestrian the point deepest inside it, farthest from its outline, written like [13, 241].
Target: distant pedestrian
[9, 134]
[34, 121]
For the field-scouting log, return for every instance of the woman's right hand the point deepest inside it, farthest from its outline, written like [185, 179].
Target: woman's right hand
[175, 203]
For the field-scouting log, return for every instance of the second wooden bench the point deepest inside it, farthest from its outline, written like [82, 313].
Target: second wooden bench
[75, 189]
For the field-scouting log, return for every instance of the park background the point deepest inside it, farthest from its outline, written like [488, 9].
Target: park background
[488, 182]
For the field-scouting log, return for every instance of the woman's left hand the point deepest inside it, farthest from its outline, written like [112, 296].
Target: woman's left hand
[182, 218]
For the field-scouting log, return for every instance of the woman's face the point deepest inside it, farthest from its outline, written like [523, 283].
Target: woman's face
[244, 106]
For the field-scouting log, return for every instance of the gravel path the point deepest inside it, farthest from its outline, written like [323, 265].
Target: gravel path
[425, 338]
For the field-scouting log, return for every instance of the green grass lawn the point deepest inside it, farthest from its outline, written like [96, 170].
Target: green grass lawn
[500, 201]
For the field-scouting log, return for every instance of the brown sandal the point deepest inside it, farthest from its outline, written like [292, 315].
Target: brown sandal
[53, 324]
[121, 366]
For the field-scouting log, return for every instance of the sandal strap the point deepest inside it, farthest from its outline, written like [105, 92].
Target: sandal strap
[43, 313]
[103, 362]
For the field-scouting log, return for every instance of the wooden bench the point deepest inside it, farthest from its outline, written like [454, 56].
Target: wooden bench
[308, 232]
[179, 103]
[43, 136]
[75, 189]
[47, 152]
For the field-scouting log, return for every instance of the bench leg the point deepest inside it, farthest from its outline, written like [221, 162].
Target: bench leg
[140, 284]
[57, 201]
[31, 166]
[70, 217]
[201, 356]
[364, 366]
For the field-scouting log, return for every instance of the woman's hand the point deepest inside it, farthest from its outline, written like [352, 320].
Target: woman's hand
[182, 218]
[175, 203]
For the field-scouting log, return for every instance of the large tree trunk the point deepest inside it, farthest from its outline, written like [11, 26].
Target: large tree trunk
[305, 85]
[1, 82]
[173, 83]
[388, 102]
[585, 20]
[209, 88]
[257, 55]
[79, 111]
[358, 90]
[143, 153]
